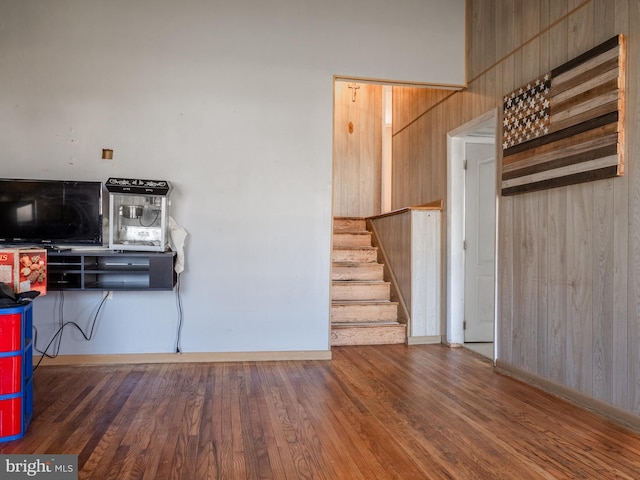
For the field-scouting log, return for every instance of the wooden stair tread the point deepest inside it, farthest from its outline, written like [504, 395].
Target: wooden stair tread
[348, 223]
[359, 282]
[351, 240]
[362, 302]
[368, 271]
[370, 323]
[361, 310]
[353, 255]
[347, 264]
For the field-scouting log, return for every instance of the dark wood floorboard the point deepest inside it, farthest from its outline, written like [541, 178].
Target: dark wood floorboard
[380, 412]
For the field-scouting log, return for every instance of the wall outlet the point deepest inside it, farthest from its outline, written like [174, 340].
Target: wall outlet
[108, 295]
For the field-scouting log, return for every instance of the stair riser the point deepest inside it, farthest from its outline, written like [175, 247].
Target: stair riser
[360, 292]
[354, 255]
[361, 272]
[382, 335]
[378, 312]
[345, 240]
[341, 224]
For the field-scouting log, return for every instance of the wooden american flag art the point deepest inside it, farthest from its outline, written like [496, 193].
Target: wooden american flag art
[566, 126]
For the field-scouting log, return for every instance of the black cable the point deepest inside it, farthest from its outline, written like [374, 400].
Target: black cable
[180, 315]
[58, 333]
[60, 323]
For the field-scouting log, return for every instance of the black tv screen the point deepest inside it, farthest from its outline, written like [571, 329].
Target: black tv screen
[50, 212]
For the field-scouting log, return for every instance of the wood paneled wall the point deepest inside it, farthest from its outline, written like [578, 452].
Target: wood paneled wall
[357, 149]
[411, 239]
[569, 257]
[417, 171]
[394, 234]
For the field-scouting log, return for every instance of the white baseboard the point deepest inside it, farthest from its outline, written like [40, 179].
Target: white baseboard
[188, 357]
[424, 340]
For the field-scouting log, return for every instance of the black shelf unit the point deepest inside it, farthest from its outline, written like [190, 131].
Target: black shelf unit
[110, 270]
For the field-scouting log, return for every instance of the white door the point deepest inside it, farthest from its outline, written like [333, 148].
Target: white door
[480, 227]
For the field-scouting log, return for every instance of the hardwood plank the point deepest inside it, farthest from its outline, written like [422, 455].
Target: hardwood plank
[296, 459]
[385, 412]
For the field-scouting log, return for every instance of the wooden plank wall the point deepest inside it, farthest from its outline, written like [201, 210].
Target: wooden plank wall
[569, 257]
[426, 274]
[394, 234]
[357, 150]
[416, 170]
[412, 245]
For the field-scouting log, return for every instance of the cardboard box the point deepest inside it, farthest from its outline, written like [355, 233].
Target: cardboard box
[24, 269]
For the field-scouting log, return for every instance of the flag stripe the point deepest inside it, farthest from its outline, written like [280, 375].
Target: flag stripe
[561, 161]
[597, 95]
[581, 148]
[562, 171]
[594, 52]
[562, 134]
[595, 63]
[562, 121]
[610, 77]
[606, 172]
[593, 138]
[568, 82]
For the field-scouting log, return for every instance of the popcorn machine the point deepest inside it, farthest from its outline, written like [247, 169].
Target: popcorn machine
[138, 214]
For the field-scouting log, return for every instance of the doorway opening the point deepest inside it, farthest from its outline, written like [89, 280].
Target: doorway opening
[472, 235]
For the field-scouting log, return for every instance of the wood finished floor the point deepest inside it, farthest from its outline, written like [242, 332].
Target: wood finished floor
[383, 412]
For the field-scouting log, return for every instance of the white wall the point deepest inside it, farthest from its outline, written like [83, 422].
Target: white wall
[232, 103]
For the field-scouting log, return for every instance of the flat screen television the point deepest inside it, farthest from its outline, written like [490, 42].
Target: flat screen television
[50, 212]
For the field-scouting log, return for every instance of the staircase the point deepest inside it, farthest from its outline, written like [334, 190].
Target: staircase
[361, 310]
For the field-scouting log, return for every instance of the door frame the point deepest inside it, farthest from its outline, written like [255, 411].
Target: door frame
[478, 130]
